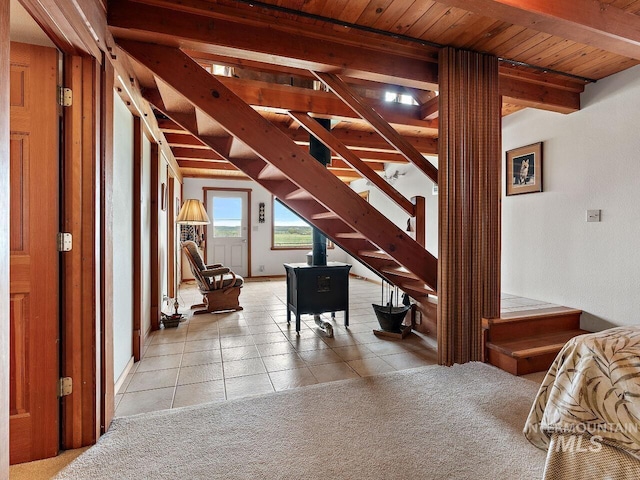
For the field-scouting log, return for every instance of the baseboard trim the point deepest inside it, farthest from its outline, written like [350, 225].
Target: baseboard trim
[123, 376]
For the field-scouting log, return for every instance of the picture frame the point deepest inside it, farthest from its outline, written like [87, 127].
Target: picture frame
[163, 197]
[523, 169]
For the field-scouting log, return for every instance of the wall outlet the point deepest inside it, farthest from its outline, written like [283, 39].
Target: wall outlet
[261, 268]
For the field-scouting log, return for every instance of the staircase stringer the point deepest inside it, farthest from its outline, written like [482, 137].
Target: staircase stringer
[202, 90]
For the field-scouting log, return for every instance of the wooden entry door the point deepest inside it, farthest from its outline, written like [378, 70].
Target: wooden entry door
[34, 270]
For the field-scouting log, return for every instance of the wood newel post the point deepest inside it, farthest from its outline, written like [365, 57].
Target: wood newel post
[420, 214]
[469, 184]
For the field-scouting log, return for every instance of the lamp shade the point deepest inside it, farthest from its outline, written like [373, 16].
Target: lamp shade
[193, 213]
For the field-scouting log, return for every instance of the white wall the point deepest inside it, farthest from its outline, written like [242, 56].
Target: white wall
[261, 253]
[122, 236]
[411, 182]
[590, 160]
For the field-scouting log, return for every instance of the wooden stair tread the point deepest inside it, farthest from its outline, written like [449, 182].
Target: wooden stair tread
[357, 235]
[417, 288]
[535, 345]
[526, 315]
[324, 216]
[375, 254]
[399, 272]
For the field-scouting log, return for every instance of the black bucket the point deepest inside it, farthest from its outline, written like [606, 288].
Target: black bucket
[390, 318]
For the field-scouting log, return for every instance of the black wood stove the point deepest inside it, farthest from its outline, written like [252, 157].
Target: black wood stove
[316, 289]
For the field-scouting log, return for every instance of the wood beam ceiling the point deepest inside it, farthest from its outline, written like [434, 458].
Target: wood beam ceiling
[211, 28]
[595, 23]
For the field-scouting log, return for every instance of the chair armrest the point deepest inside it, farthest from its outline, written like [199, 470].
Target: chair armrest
[214, 265]
[215, 271]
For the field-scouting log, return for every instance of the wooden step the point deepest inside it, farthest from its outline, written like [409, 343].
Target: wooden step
[399, 272]
[527, 323]
[299, 194]
[530, 354]
[375, 254]
[324, 216]
[354, 235]
[269, 172]
[417, 289]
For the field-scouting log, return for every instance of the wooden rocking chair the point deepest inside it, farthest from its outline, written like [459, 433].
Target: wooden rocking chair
[219, 286]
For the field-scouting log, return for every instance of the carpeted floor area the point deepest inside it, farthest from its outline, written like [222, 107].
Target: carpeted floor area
[433, 422]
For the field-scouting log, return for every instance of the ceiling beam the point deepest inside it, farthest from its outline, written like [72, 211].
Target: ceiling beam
[285, 97]
[594, 23]
[264, 43]
[429, 110]
[347, 95]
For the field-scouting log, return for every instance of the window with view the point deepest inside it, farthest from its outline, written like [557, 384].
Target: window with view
[289, 230]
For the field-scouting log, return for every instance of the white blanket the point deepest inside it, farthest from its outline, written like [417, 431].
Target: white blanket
[592, 388]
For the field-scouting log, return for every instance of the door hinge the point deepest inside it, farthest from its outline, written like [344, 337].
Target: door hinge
[65, 96]
[65, 386]
[65, 242]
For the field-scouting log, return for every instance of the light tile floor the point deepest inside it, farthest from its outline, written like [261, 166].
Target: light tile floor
[218, 357]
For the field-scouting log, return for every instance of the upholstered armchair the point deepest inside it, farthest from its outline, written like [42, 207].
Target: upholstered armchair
[220, 287]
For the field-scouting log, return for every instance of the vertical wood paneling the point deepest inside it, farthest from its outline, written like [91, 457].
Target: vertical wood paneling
[469, 202]
[4, 238]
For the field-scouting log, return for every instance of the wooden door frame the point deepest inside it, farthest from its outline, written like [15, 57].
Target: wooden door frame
[171, 237]
[4, 239]
[84, 302]
[248, 191]
[156, 288]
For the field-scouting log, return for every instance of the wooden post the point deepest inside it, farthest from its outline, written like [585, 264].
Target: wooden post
[136, 202]
[469, 202]
[420, 214]
[156, 288]
[4, 239]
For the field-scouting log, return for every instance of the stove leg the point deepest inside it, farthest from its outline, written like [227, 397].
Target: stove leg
[326, 327]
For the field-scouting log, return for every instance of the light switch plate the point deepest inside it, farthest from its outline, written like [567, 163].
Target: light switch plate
[593, 215]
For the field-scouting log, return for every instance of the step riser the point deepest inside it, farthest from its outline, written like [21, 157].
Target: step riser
[521, 366]
[533, 326]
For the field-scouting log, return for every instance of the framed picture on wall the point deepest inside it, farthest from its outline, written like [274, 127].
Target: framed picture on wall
[524, 169]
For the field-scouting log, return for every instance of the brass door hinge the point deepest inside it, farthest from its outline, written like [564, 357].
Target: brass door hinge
[65, 242]
[65, 387]
[65, 96]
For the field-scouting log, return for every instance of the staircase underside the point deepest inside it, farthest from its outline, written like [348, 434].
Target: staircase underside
[180, 88]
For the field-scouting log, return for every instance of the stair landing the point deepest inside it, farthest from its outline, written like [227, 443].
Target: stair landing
[529, 334]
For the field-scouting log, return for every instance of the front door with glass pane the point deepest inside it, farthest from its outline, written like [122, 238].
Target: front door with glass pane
[227, 236]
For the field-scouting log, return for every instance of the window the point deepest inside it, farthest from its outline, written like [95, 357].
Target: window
[227, 217]
[399, 98]
[289, 230]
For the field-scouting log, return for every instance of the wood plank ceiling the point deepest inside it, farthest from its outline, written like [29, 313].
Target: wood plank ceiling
[263, 51]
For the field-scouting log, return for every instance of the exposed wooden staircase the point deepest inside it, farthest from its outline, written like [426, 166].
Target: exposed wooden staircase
[177, 86]
[528, 341]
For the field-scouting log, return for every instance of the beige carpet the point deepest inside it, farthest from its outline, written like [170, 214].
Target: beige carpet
[434, 422]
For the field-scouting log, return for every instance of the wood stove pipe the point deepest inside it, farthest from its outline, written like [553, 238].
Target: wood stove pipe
[321, 153]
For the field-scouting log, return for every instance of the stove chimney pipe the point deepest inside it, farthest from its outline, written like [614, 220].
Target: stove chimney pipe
[321, 153]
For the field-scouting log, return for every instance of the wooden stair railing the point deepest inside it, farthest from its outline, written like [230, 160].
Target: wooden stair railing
[180, 88]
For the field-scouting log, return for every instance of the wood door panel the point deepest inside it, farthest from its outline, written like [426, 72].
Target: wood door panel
[19, 191]
[19, 324]
[34, 259]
